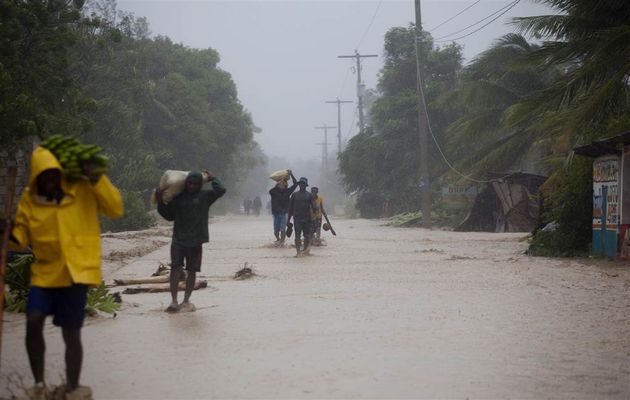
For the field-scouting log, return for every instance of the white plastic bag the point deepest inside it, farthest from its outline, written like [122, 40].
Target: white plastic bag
[280, 175]
[172, 182]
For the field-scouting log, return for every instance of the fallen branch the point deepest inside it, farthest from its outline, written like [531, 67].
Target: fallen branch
[164, 288]
[244, 273]
[139, 281]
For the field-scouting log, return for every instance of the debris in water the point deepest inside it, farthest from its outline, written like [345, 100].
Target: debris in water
[244, 273]
[164, 288]
[162, 270]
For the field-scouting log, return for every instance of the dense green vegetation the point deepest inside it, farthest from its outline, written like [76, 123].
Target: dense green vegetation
[92, 71]
[519, 105]
[381, 163]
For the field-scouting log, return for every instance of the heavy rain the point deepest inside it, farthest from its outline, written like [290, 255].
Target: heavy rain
[314, 199]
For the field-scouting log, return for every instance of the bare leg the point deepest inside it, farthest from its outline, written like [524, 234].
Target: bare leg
[35, 344]
[190, 285]
[74, 357]
[307, 242]
[298, 242]
[174, 284]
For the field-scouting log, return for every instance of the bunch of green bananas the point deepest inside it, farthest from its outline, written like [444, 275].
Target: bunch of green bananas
[73, 154]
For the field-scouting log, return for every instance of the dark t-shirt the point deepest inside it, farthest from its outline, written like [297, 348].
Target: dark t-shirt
[280, 199]
[190, 213]
[301, 205]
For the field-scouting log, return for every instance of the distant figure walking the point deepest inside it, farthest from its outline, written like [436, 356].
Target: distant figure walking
[316, 217]
[301, 206]
[280, 197]
[257, 205]
[247, 205]
[189, 211]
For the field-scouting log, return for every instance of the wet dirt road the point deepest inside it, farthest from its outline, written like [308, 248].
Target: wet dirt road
[378, 313]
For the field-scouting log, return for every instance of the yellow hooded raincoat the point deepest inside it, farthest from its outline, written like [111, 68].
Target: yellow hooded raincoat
[65, 237]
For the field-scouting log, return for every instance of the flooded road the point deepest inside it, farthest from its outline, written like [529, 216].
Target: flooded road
[378, 313]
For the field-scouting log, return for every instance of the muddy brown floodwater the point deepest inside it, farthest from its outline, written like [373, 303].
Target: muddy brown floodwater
[378, 313]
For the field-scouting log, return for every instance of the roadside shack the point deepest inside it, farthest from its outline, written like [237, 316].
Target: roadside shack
[611, 194]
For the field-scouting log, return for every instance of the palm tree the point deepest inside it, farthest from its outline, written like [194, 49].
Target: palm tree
[491, 87]
[590, 40]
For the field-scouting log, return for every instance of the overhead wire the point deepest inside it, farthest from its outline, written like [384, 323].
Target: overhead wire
[426, 111]
[454, 16]
[378, 6]
[500, 13]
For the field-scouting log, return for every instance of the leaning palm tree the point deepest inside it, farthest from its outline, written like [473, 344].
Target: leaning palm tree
[590, 40]
[491, 86]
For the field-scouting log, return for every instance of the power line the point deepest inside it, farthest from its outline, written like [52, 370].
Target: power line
[345, 79]
[500, 11]
[354, 118]
[370, 25]
[454, 16]
[448, 163]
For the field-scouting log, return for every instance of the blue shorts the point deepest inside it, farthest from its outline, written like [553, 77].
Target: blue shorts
[279, 222]
[66, 305]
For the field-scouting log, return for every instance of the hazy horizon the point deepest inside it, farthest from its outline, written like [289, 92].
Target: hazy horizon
[283, 55]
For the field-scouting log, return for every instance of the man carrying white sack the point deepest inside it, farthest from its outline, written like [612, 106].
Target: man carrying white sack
[280, 206]
[189, 211]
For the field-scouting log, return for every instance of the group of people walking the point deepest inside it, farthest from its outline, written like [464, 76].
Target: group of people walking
[59, 221]
[303, 207]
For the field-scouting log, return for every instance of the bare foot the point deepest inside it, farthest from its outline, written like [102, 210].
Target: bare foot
[172, 308]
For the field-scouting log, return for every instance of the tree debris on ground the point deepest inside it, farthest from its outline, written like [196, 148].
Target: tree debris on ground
[199, 284]
[244, 273]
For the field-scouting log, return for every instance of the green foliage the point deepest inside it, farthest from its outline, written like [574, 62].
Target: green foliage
[591, 40]
[91, 71]
[37, 96]
[99, 299]
[381, 163]
[570, 205]
[136, 215]
[18, 281]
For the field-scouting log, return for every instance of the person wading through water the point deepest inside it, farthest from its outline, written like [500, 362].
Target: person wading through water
[280, 206]
[316, 217]
[189, 210]
[60, 221]
[300, 207]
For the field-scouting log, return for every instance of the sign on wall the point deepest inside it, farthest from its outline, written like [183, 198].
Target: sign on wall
[606, 192]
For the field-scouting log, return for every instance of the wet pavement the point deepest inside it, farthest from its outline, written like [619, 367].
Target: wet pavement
[378, 313]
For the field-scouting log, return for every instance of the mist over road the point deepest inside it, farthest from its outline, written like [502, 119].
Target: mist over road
[378, 313]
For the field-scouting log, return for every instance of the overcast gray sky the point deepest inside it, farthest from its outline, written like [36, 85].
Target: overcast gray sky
[283, 54]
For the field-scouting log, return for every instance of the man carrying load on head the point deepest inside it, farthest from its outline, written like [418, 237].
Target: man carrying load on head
[280, 206]
[189, 211]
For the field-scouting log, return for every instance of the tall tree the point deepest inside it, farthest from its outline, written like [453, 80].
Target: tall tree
[37, 96]
[381, 164]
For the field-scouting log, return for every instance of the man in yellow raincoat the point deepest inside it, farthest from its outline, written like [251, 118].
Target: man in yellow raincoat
[59, 221]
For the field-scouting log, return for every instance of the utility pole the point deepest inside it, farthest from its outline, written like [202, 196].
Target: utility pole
[325, 153]
[423, 125]
[360, 85]
[338, 121]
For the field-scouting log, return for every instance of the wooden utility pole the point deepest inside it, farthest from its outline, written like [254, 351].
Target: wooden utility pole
[325, 155]
[360, 85]
[338, 121]
[423, 125]
[4, 250]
